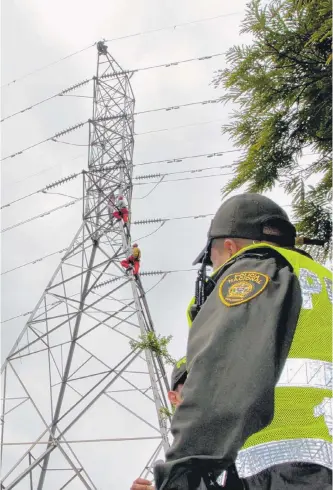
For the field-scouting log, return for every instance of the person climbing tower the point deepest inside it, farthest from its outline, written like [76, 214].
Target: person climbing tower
[121, 210]
[133, 261]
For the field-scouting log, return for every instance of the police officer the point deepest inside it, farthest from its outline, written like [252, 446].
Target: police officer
[258, 358]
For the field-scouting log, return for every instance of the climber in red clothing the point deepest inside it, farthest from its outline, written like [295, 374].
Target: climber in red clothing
[133, 261]
[121, 210]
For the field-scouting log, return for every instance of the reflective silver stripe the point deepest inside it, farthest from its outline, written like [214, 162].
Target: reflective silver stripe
[307, 373]
[257, 458]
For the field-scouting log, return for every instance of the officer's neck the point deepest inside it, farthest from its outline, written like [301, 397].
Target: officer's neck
[219, 262]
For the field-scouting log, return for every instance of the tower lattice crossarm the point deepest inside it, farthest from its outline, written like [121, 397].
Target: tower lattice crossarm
[74, 391]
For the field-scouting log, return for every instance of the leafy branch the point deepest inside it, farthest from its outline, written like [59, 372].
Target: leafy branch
[156, 344]
[166, 413]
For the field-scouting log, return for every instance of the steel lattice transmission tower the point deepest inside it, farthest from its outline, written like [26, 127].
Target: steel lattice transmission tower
[78, 402]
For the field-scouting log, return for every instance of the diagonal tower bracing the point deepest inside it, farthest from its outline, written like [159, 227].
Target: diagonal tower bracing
[78, 403]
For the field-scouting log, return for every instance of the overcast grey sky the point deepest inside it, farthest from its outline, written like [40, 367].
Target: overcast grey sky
[36, 33]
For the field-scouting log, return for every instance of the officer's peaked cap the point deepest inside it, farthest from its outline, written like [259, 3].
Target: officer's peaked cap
[245, 216]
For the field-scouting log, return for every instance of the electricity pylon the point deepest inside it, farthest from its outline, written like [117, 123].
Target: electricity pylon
[79, 403]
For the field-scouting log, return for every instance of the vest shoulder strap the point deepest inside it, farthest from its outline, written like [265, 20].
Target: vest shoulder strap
[264, 253]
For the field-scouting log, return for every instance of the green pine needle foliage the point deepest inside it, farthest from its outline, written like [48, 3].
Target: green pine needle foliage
[282, 85]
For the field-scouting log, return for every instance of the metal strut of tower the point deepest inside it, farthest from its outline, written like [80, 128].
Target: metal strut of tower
[74, 391]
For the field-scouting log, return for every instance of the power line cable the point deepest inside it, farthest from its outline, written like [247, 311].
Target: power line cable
[180, 106]
[148, 273]
[161, 65]
[47, 66]
[179, 127]
[79, 125]
[180, 159]
[161, 181]
[59, 94]
[106, 168]
[150, 31]
[173, 160]
[202, 123]
[139, 177]
[149, 234]
[74, 201]
[188, 178]
[44, 189]
[68, 143]
[157, 283]
[108, 76]
[58, 194]
[33, 261]
[78, 96]
[43, 171]
[51, 138]
[42, 215]
[151, 190]
[71, 203]
[191, 170]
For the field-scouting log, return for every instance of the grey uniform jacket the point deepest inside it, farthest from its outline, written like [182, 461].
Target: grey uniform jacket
[235, 355]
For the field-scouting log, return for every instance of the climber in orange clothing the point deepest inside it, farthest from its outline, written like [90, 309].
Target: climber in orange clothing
[133, 261]
[121, 211]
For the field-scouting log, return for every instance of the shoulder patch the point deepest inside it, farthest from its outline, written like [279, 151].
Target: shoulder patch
[241, 287]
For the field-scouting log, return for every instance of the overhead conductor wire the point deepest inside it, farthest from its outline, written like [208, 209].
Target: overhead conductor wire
[79, 125]
[70, 203]
[47, 66]
[173, 160]
[150, 31]
[161, 221]
[106, 168]
[108, 76]
[148, 273]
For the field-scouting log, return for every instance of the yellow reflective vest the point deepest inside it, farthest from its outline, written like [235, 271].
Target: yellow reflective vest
[301, 429]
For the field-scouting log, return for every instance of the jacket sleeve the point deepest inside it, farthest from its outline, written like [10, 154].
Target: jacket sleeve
[235, 356]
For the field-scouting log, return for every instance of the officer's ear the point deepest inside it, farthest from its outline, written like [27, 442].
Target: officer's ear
[234, 245]
[172, 396]
[231, 247]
